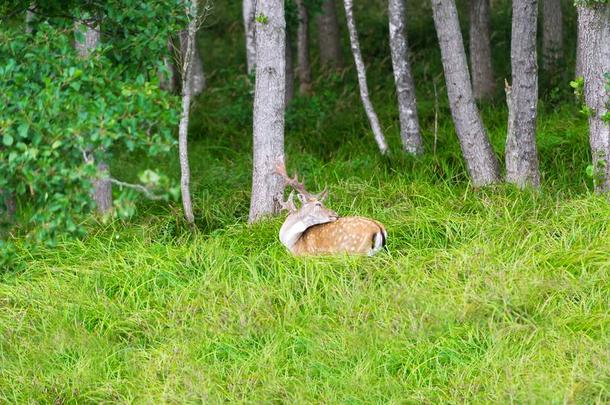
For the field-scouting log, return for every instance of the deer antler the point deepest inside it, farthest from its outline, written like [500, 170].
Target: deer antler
[293, 182]
[289, 204]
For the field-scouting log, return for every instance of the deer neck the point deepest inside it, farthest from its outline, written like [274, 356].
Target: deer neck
[291, 231]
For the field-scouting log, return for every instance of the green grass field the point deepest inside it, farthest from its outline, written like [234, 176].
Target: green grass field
[485, 296]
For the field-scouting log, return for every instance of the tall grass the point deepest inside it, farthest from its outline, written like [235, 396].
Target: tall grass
[492, 295]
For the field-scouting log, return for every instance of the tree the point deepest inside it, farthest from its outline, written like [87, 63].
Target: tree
[303, 66]
[196, 78]
[521, 152]
[249, 10]
[552, 34]
[188, 45]
[405, 89]
[329, 40]
[269, 105]
[483, 81]
[87, 38]
[480, 158]
[361, 71]
[595, 30]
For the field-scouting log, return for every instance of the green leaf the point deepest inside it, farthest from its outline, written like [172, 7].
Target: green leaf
[22, 130]
[7, 140]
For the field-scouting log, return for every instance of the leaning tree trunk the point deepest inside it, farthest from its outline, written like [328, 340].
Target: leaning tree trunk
[552, 35]
[269, 93]
[189, 56]
[303, 66]
[405, 89]
[289, 66]
[329, 39]
[249, 9]
[364, 90]
[196, 76]
[521, 152]
[483, 81]
[102, 186]
[476, 148]
[595, 28]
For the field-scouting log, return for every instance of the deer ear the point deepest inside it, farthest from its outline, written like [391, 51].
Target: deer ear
[323, 195]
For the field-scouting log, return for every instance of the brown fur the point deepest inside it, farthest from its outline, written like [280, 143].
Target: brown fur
[345, 235]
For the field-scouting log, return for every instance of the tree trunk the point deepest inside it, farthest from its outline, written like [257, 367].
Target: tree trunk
[303, 66]
[580, 45]
[483, 81]
[249, 10]
[521, 152]
[268, 125]
[289, 66]
[189, 56]
[168, 81]
[102, 186]
[405, 89]
[29, 17]
[552, 35]
[197, 76]
[480, 158]
[364, 90]
[595, 30]
[329, 40]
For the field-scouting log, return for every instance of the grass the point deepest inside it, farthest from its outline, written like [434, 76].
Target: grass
[492, 295]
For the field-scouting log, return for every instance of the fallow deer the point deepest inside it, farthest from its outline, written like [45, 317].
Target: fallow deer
[314, 229]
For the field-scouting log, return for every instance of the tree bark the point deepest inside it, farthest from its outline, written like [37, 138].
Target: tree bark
[405, 89]
[188, 45]
[329, 40]
[521, 152]
[480, 158]
[269, 104]
[364, 90]
[552, 35]
[29, 17]
[303, 66]
[196, 76]
[483, 81]
[595, 29]
[580, 44]
[289, 66]
[102, 186]
[168, 81]
[249, 10]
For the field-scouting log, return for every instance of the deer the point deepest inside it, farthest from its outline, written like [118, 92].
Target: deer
[314, 229]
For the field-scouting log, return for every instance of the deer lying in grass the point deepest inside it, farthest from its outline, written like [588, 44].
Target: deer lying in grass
[314, 229]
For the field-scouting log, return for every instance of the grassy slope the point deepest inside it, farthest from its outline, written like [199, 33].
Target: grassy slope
[492, 295]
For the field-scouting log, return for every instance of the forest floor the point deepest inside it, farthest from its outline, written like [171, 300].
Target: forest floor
[493, 295]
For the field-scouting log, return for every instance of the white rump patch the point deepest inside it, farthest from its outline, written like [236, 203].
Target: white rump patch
[378, 239]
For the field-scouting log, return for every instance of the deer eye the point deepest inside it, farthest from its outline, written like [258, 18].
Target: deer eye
[318, 204]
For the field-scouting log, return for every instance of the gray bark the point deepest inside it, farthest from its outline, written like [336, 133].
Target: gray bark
[595, 28]
[521, 153]
[364, 90]
[268, 120]
[483, 81]
[102, 186]
[289, 66]
[480, 158]
[29, 17]
[329, 39]
[168, 81]
[303, 66]
[249, 10]
[188, 46]
[405, 89]
[552, 34]
[196, 75]
[580, 44]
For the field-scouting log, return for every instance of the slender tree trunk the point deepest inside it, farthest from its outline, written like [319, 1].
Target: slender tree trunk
[289, 66]
[303, 66]
[329, 40]
[405, 89]
[29, 17]
[102, 186]
[483, 81]
[595, 28]
[268, 125]
[364, 90]
[197, 76]
[249, 9]
[480, 158]
[521, 152]
[552, 35]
